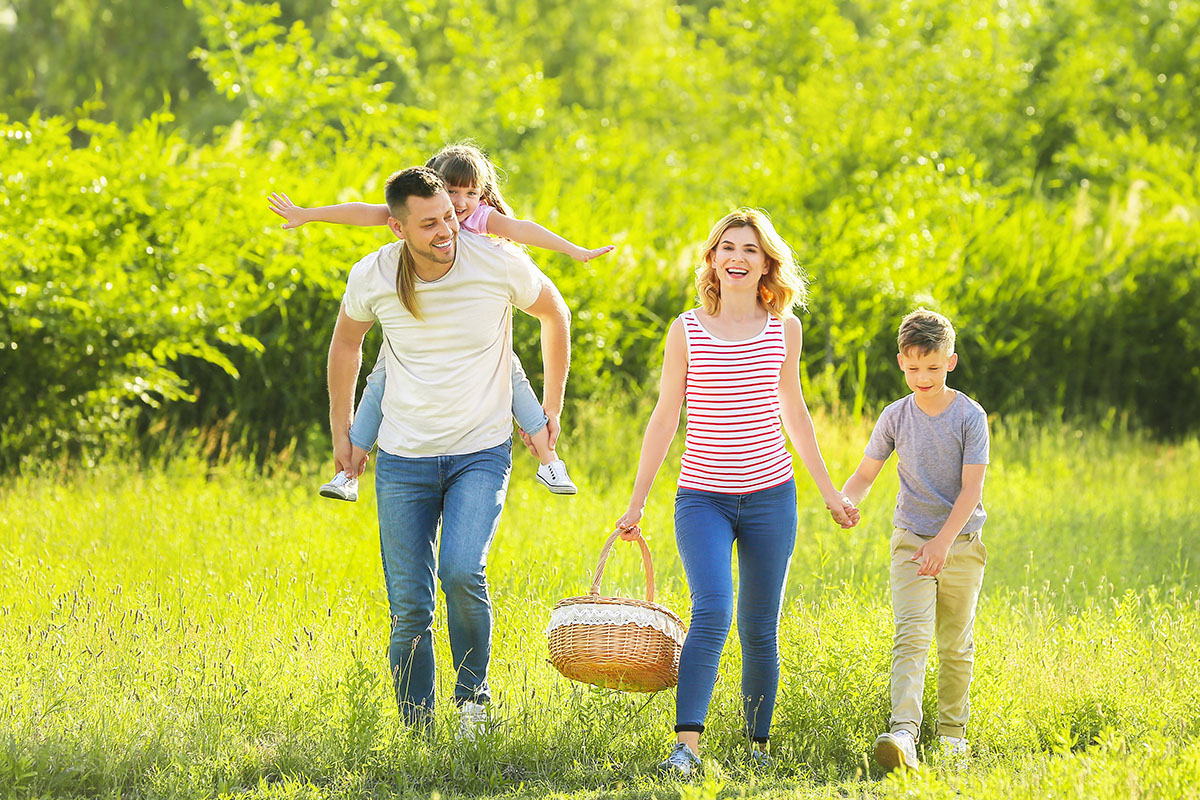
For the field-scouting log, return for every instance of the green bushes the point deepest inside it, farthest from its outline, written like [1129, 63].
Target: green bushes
[1030, 174]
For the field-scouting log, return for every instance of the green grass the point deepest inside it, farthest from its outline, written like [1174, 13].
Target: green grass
[183, 631]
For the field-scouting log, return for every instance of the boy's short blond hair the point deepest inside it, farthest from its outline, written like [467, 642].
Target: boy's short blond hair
[927, 332]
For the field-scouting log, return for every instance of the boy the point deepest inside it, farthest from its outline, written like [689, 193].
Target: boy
[941, 441]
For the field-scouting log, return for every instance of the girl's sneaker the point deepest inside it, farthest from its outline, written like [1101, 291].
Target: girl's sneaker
[894, 750]
[682, 762]
[342, 487]
[555, 478]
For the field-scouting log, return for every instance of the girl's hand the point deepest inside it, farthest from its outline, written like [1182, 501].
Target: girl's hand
[281, 205]
[628, 524]
[581, 254]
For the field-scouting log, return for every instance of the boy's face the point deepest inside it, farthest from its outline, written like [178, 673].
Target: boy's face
[925, 373]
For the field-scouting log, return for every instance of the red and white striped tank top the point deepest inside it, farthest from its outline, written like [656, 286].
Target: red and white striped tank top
[734, 439]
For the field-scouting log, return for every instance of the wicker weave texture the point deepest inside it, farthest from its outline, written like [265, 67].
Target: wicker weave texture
[629, 657]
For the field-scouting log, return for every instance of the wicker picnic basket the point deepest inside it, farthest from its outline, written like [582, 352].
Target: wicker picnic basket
[617, 643]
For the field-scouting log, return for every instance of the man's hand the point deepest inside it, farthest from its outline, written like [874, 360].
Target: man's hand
[932, 555]
[349, 459]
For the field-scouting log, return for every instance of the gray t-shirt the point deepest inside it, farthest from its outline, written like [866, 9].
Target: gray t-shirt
[931, 452]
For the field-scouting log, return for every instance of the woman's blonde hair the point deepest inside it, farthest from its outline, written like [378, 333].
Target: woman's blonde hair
[464, 164]
[784, 284]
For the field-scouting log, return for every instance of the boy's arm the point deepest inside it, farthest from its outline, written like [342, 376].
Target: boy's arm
[526, 232]
[362, 214]
[863, 478]
[932, 554]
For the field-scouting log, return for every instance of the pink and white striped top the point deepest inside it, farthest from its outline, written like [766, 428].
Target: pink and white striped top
[734, 439]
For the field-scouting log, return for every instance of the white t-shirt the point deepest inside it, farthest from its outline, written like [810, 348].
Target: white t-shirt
[449, 389]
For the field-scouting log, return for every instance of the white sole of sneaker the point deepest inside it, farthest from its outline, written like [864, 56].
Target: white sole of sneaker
[337, 494]
[556, 489]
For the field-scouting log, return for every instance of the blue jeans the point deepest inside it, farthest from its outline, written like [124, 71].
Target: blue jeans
[364, 430]
[707, 525]
[466, 493]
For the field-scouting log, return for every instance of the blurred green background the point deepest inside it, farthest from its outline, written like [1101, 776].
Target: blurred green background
[1029, 168]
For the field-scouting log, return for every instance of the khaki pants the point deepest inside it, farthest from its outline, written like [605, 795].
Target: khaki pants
[921, 603]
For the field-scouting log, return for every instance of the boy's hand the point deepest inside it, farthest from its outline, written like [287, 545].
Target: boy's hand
[932, 556]
[281, 205]
[587, 255]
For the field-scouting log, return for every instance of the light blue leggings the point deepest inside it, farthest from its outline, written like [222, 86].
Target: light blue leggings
[369, 414]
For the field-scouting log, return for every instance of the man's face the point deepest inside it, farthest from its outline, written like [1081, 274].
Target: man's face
[430, 229]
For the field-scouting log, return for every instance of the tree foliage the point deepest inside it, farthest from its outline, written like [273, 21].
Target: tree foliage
[1030, 169]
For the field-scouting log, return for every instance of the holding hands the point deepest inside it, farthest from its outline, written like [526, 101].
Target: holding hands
[843, 511]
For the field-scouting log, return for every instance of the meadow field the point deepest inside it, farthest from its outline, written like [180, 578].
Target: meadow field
[177, 629]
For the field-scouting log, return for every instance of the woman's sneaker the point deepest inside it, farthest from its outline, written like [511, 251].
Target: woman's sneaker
[894, 750]
[342, 487]
[682, 762]
[555, 478]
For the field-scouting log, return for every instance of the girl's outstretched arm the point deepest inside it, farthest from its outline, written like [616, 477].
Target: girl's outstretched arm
[664, 421]
[798, 424]
[527, 232]
[342, 214]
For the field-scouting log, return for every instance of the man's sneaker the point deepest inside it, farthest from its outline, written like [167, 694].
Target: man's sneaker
[555, 478]
[472, 721]
[894, 750]
[682, 762]
[953, 752]
[342, 487]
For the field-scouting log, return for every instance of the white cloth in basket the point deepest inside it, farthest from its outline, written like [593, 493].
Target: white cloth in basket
[611, 614]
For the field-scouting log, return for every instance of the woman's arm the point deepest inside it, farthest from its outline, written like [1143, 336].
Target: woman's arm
[798, 424]
[363, 214]
[526, 232]
[664, 422]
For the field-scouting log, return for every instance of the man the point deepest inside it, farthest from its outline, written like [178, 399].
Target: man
[444, 301]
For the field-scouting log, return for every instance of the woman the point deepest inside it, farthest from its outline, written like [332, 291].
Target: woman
[735, 360]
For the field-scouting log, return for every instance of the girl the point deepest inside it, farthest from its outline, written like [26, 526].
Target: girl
[471, 183]
[735, 360]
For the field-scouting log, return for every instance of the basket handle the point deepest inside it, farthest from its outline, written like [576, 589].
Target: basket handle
[646, 563]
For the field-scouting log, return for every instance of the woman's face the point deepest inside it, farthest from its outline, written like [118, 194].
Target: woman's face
[738, 259]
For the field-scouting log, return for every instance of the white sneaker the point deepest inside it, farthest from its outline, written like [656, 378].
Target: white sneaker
[342, 487]
[894, 750]
[953, 752]
[555, 478]
[472, 721]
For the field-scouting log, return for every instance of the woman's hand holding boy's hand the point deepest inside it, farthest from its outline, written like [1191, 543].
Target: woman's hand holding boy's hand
[843, 512]
[294, 214]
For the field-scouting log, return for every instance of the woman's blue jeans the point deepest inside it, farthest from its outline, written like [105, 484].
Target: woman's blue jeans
[707, 526]
[466, 494]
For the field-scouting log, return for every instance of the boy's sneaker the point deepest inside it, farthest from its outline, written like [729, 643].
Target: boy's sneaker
[682, 762]
[894, 750]
[472, 721]
[342, 487]
[953, 752]
[555, 478]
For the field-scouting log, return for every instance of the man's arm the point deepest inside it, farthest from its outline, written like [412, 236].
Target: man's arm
[345, 359]
[551, 311]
